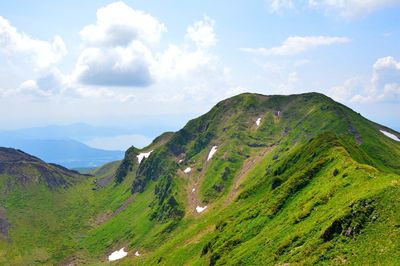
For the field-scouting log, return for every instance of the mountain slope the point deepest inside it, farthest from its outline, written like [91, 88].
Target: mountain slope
[25, 169]
[267, 180]
[40, 208]
[311, 166]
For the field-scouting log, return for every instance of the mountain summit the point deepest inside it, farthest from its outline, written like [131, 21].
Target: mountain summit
[258, 180]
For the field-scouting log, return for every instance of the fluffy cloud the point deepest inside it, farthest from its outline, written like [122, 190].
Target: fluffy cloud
[202, 32]
[343, 8]
[298, 44]
[116, 66]
[118, 25]
[41, 54]
[192, 56]
[383, 86]
[119, 49]
[116, 48]
[53, 82]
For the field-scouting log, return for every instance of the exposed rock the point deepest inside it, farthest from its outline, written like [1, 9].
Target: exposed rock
[218, 187]
[355, 133]
[276, 182]
[352, 223]
[335, 172]
[4, 224]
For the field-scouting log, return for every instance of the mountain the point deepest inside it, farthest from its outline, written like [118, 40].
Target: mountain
[34, 207]
[26, 168]
[67, 152]
[78, 131]
[63, 144]
[258, 180]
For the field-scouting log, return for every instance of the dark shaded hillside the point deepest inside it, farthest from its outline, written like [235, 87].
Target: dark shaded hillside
[27, 168]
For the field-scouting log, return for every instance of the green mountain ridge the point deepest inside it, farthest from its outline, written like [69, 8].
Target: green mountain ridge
[297, 180]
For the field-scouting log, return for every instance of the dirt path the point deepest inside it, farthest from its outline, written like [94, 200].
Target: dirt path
[193, 189]
[247, 166]
[197, 237]
[104, 217]
[193, 184]
[195, 179]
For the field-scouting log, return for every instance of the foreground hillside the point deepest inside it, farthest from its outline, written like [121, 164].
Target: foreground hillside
[258, 180]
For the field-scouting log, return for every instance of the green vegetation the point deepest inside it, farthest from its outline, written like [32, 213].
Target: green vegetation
[314, 183]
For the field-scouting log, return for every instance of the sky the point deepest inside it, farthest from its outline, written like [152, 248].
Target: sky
[156, 64]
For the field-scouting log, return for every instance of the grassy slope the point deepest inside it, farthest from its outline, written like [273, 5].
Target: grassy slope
[45, 224]
[303, 183]
[306, 208]
[253, 231]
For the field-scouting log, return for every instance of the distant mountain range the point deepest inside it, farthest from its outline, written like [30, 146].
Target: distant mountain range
[77, 131]
[61, 145]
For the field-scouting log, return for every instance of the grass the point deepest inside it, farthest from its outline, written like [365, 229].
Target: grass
[316, 196]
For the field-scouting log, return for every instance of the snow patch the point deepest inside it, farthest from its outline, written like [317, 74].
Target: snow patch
[116, 255]
[200, 209]
[187, 170]
[137, 254]
[143, 155]
[390, 135]
[258, 121]
[212, 152]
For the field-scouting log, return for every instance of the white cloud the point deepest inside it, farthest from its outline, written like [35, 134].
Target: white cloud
[187, 75]
[116, 51]
[383, 86]
[344, 8]
[52, 83]
[192, 56]
[348, 89]
[118, 25]
[119, 49]
[278, 5]
[41, 54]
[116, 66]
[177, 61]
[352, 8]
[121, 142]
[298, 44]
[202, 32]
[87, 92]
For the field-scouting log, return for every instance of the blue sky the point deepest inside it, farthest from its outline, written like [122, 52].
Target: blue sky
[159, 63]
